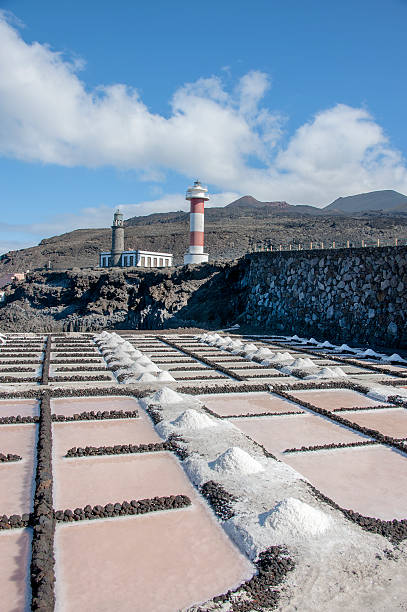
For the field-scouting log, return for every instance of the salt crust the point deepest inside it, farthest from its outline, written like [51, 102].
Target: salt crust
[382, 392]
[278, 358]
[236, 460]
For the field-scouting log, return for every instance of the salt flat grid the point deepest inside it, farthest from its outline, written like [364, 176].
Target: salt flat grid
[285, 422]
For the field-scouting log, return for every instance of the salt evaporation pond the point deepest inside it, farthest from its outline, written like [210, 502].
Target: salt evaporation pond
[102, 433]
[15, 556]
[390, 422]
[158, 562]
[278, 433]
[17, 478]
[335, 398]
[362, 479]
[245, 403]
[27, 408]
[71, 406]
[105, 479]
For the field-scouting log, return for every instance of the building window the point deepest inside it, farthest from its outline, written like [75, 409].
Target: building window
[143, 261]
[161, 262]
[155, 262]
[148, 262]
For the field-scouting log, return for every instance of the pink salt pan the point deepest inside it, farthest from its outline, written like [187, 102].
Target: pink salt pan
[243, 403]
[371, 480]
[100, 480]
[102, 433]
[154, 563]
[15, 554]
[391, 422]
[330, 399]
[71, 406]
[28, 408]
[17, 478]
[278, 433]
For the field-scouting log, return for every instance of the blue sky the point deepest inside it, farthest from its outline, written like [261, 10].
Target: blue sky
[105, 104]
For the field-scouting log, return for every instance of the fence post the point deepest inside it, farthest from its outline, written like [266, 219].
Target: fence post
[395, 241]
[310, 246]
[347, 244]
[290, 247]
[378, 242]
[281, 248]
[333, 245]
[363, 243]
[322, 245]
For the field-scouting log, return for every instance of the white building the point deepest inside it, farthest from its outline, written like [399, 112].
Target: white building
[139, 259]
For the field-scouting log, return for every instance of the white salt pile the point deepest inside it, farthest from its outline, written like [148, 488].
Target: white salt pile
[335, 372]
[312, 341]
[382, 393]
[146, 377]
[326, 344]
[164, 376]
[192, 419]
[249, 348]
[236, 461]
[279, 358]
[370, 353]
[299, 364]
[165, 396]
[394, 358]
[344, 348]
[293, 519]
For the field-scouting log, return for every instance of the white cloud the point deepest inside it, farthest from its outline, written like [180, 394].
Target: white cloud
[226, 138]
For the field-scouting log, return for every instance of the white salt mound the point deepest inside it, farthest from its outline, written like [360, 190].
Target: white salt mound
[165, 396]
[303, 364]
[164, 376]
[281, 357]
[395, 357]
[236, 461]
[192, 419]
[295, 519]
[146, 377]
[249, 348]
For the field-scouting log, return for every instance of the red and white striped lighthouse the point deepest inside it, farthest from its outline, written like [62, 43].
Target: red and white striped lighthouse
[197, 196]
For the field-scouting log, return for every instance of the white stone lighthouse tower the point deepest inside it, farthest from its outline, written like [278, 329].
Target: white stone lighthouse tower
[197, 196]
[117, 239]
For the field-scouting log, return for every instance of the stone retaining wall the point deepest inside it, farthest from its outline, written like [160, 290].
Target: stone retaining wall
[345, 295]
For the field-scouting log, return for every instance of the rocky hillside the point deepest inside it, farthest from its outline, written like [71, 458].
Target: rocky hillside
[230, 232]
[95, 299]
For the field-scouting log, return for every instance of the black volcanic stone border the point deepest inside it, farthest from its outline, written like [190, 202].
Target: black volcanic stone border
[219, 499]
[261, 414]
[42, 558]
[24, 355]
[73, 368]
[244, 388]
[46, 362]
[260, 591]
[203, 377]
[33, 362]
[371, 433]
[141, 506]
[9, 458]
[23, 379]
[395, 530]
[13, 420]
[208, 362]
[75, 361]
[190, 369]
[318, 447]
[11, 370]
[92, 415]
[119, 449]
[77, 378]
[364, 408]
[15, 521]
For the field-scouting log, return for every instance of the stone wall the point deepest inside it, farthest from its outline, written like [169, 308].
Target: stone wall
[345, 295]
